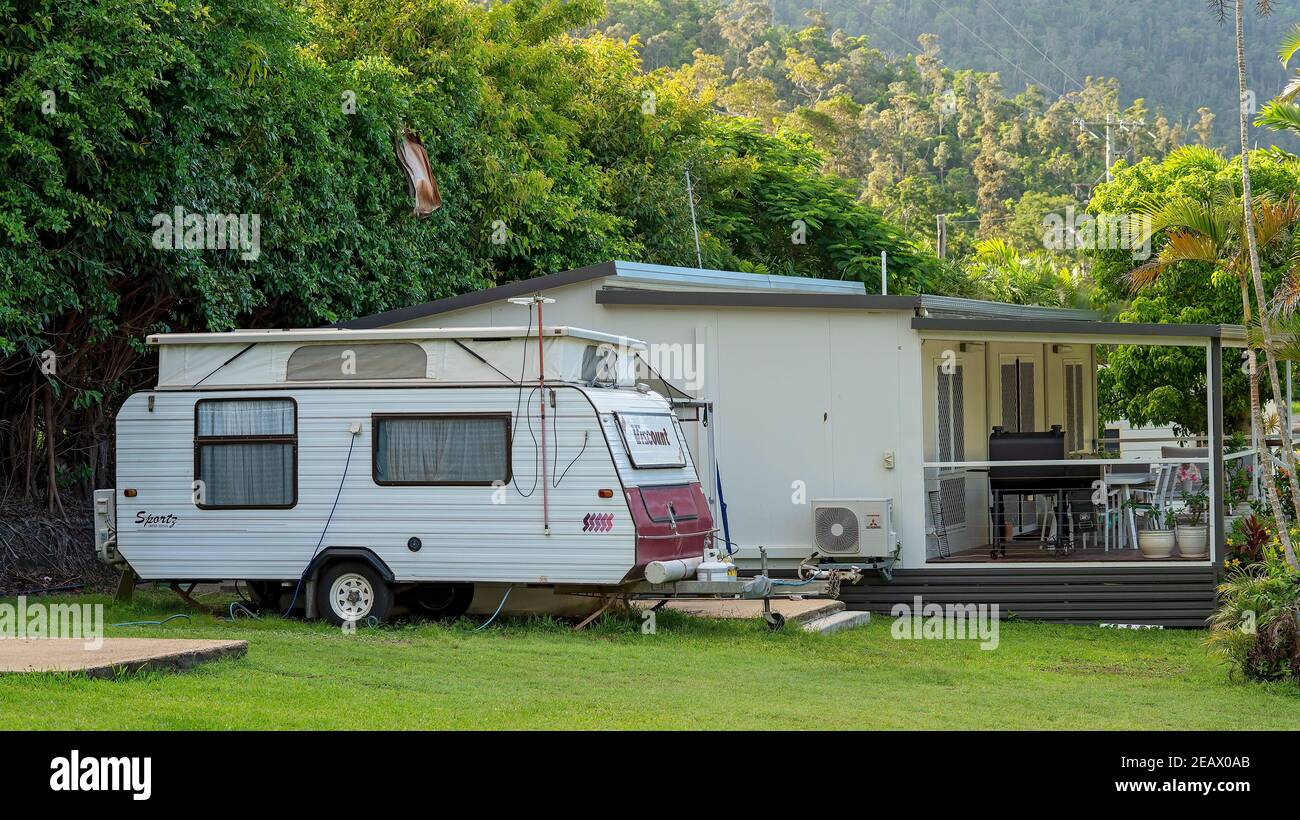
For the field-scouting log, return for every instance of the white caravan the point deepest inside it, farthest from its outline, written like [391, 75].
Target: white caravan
[359, 470]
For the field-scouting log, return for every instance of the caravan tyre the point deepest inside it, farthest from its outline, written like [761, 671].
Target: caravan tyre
[266, 594]
[351, 591]
[445, 602]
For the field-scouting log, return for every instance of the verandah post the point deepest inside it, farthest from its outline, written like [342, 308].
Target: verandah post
[1214, 409]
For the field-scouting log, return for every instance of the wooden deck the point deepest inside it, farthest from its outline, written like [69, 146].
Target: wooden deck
[1164, 593]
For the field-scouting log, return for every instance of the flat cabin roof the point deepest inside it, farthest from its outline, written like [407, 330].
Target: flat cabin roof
[386, 335]
[637, 284]
[1084, 332]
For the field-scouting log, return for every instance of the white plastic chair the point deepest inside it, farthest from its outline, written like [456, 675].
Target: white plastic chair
[1156, 498]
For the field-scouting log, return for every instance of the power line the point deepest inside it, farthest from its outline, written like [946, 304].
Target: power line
[1031, 44]
[989, 45]
[868, 24]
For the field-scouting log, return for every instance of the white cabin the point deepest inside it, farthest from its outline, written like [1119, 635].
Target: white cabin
[819, 392]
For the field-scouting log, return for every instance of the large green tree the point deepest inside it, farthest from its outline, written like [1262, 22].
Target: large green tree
[1166, 387]
[551, 152]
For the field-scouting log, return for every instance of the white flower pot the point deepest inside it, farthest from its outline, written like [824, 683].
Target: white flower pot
[1193, 540]
[1156, 543]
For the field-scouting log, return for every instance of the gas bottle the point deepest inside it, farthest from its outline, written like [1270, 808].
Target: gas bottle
[713, 568]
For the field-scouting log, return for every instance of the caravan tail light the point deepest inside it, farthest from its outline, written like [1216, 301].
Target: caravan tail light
[129, 493]
[605, 493]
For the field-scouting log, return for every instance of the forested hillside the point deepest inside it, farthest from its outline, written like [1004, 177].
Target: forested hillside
[921, 134]
[1155, 51]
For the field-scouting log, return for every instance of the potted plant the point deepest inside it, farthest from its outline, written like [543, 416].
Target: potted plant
[1156, 537]
[1193, 524]
[1237, 493]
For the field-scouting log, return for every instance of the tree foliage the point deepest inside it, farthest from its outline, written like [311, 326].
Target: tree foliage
[1166, 386]
[551, 151]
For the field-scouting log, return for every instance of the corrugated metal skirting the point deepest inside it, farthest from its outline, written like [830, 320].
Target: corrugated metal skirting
[1168, 595]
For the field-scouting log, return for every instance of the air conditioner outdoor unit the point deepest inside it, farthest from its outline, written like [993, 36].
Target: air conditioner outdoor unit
[853, 527]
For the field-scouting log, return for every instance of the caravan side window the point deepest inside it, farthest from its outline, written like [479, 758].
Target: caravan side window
[444, 449]
[246, 453]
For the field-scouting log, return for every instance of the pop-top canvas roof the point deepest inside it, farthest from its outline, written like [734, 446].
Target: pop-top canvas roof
[246, 358]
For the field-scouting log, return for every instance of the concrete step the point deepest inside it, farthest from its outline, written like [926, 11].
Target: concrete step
[795, 611]
[112, 655]
[837, 622]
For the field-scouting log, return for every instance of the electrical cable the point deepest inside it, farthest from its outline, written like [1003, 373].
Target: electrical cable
[586, 435]
[236, 608]
[514, 479]
[154, 623]
[1031, 45]
[555, 459]
[1005, 59]
[667, 384]
[342, 480]
[498, 612]
[523, 368]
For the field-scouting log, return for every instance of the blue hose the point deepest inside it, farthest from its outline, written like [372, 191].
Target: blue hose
[153, 623]
[498, 612]
[722, 507]
[351, 443]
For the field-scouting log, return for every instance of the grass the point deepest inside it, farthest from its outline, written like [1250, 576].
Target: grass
[692, 673]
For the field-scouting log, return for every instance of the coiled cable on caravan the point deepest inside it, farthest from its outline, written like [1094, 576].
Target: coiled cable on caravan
[297, 587]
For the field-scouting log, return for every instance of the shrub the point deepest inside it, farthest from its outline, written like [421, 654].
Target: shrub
[1257, 626]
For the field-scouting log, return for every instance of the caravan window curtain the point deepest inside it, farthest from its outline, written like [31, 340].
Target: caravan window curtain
[246, 453]
[441, 449]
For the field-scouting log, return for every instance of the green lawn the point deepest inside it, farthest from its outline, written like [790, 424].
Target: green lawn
[691, 674]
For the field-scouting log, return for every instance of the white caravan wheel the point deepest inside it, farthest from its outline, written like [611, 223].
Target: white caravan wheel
[352, 591]
[351, 597]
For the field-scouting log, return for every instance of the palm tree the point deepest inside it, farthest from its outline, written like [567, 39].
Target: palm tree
[1282, 113]
[1211, 231]
[1264, 7]
[1003, 274]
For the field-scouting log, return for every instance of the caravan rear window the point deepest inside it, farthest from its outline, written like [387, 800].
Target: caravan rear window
[441, 449]
[246, 453]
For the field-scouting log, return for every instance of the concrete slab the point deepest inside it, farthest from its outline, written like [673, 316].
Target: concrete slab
[795, 612]
[25, 655]
[837, 622]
